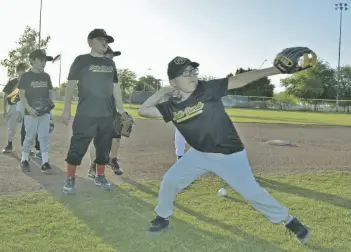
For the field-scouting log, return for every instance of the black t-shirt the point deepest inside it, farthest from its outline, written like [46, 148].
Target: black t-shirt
[202, 119]
[10, 86]
[37, 86]
[95, 78]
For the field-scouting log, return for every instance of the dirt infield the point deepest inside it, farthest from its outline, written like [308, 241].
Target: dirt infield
[150, 152]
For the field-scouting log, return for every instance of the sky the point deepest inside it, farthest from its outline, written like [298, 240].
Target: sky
[222, 35]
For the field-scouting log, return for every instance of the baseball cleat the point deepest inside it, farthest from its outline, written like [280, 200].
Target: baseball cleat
[7, 149]
[46, 168]
[92, 171]
[69, 185]
[101, 181]
[24, 165]
[179, 157]
[115, 167]
[302, 233]
[38, 154]
[158, 224]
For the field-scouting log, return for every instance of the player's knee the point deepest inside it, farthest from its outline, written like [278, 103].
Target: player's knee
[255, 192]
[73, 159]
[102, 158]
[170, 181]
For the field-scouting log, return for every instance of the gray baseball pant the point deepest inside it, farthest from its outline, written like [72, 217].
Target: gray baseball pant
[11, 122]
[234, 169]
[36, 125]
[179, 143]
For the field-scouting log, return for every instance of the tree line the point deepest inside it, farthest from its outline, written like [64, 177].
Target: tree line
[320, 82]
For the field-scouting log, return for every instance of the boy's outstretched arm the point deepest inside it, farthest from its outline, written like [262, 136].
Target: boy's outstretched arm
[243, 79]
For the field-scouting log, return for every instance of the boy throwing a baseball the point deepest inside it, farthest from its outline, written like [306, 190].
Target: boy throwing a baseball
[216, 146]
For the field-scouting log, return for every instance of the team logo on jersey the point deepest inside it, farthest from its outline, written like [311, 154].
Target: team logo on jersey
[179, 60]
[39, 84]
[188, 113]
[101, 69]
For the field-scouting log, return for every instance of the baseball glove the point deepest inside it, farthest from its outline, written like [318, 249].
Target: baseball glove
[43, 106]
[13, 97]
[295, 59]
[123, 125]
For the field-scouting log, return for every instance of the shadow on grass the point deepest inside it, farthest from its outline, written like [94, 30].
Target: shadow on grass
[122, 219]
[303, 192]
[212, 221]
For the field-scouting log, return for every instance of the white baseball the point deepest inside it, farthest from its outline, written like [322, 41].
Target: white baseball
[222, 192]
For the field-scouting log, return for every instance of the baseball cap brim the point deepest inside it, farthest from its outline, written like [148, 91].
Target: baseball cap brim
[110, 39]
[117, 53]
[47, 58]
[193, 64]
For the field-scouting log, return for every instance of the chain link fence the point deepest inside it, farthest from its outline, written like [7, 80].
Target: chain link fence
[259, 102]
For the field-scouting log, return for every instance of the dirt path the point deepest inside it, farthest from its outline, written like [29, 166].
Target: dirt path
[150, 152]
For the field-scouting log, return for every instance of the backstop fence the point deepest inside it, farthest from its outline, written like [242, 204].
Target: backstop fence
[259, 102]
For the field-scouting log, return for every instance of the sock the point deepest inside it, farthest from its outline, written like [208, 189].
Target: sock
[100, 169]
[24, 156]
[71, 170]
[289, 219]
[44, 157]
[9, 143]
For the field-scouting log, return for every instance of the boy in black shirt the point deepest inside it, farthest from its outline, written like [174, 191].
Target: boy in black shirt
[116, 138]
[216, 146]
[11, 98]
[97, 81]
[35, 91]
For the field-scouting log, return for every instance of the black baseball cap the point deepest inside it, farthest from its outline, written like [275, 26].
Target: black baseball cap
[100, 33]
[177, 66]
[40, 54]
[115, 53]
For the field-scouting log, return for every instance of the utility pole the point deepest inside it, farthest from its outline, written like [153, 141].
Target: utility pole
[41, 7]
[339, 7]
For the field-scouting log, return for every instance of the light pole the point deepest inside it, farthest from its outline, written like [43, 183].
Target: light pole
[41, 7]
[262, 63]
[147, 70]
[339, 7]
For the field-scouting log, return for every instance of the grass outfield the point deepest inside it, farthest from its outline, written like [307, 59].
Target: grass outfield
[260, 116]
[94, 220]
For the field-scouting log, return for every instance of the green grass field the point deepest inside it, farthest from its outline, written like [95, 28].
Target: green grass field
[261, 116]
[96, 220]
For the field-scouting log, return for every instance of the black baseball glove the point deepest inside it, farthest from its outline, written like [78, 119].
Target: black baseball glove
[123, 124]
[43, 106]
[295, 59]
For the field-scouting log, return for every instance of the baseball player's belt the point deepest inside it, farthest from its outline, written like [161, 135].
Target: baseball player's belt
[43, 106]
